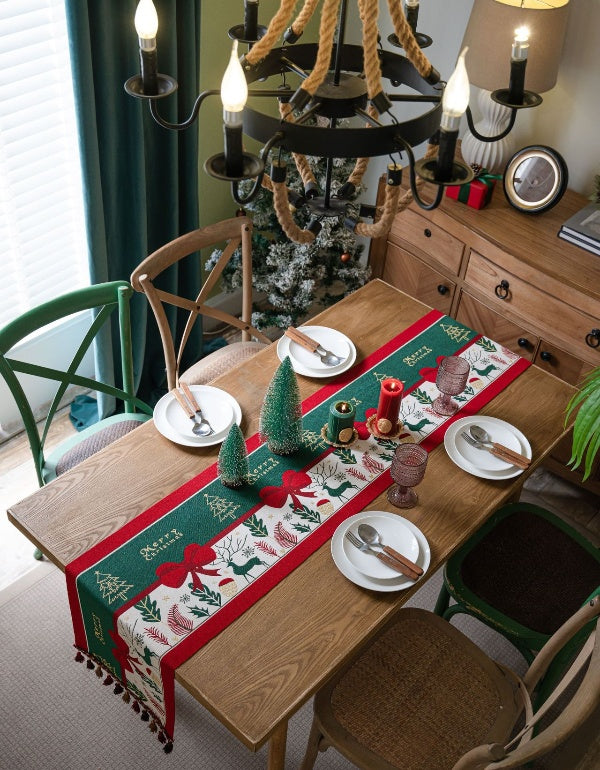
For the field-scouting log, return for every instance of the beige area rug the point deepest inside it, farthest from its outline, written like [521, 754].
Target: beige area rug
[54, 714]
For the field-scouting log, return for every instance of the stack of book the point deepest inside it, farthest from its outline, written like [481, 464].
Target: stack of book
[583, 228]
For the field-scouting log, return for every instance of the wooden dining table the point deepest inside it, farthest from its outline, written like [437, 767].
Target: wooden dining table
[265, 665]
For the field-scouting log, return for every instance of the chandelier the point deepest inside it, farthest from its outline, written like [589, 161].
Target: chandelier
[340, 85]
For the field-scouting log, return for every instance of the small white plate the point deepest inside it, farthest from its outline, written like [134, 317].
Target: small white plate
[346, 567]
[218, 406]
[395, 534]
[468, 458]
[309, 364]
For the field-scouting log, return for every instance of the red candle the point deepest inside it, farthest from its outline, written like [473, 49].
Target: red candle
[388, 410]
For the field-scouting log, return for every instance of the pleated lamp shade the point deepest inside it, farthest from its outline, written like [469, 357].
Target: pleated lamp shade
[490, 33]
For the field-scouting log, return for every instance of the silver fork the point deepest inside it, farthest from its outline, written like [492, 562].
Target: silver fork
[362, 546]
[495, 451]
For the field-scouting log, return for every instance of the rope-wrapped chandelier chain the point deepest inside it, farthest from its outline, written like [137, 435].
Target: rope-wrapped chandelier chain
[327, 29]
[383, 224]
[298, 25]
[408, 41]
[369, 13]
[281, 204]
[274, 31]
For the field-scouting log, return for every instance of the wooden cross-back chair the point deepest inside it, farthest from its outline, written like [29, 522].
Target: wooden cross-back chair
[237, 232]
[422, 696]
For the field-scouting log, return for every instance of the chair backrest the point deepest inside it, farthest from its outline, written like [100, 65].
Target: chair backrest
[578, 691]
[237, 232]
[105, 300]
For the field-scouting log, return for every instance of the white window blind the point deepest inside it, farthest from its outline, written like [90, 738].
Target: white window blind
[43, 251]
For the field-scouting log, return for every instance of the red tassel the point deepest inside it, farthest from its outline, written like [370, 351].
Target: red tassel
[136, 707]
[161, 737]
[168, 747]
[145, 716]
[126, 696]
[118, 689]
[109, 680]
[90, 664]
[79, 657]
[153, 726]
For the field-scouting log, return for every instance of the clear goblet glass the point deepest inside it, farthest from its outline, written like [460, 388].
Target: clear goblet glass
[451, 380]
[407, 470]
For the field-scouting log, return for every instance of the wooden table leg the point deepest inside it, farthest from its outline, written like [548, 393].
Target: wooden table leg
[277, 743]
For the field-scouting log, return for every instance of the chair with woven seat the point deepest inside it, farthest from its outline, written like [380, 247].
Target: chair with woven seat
[237, 232]
[103, 302]
[523, 573]
[422, 696]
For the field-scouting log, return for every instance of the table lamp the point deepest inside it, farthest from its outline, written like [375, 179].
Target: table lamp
[509, 39]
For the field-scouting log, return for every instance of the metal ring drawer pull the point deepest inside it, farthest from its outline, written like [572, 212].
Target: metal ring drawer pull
[593, 338]
[501, 290]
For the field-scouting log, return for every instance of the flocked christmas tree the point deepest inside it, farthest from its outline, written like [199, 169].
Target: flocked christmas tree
[280, 423]
[233, 459]
[295, 277]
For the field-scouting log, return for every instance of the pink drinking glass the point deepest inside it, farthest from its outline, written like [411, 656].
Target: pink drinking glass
[407, 470]
[451, 380]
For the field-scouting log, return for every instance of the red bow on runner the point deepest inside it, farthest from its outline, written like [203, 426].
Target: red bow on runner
[293, 481]
[429, 373]
[173, 574]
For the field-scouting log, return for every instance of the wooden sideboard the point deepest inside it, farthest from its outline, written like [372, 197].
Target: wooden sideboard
[508, 275]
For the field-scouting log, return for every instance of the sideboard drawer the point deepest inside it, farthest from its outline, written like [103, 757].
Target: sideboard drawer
[504, 291]
[419, 232]
[560, 363]
[512, 336]
[414, 277]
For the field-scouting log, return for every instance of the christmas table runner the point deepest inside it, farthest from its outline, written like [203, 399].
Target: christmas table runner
[147, 597]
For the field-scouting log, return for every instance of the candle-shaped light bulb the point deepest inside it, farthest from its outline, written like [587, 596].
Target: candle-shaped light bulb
[234, 94]
[146, 25]
[518, 64]
[520, 46]
[454, 104]
[146, 20]
[234, 89]
[456, 93]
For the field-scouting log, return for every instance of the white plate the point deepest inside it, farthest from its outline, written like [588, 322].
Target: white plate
[219, 408]
[309, 364]
[468, 458]
[393, 533]
[347, 568]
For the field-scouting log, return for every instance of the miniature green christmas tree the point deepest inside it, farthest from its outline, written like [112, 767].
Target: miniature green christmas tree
[233, 460]
[280, 422]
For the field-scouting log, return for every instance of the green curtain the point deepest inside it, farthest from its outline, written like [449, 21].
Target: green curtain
[140, 180]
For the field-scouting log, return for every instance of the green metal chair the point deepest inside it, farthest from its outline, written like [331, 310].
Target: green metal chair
[105, 300]
[523, 573]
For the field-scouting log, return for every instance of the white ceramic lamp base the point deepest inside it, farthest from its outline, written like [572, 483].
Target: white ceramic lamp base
[491, 155]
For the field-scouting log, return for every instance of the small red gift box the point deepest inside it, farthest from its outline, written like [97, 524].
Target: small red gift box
[477, 193]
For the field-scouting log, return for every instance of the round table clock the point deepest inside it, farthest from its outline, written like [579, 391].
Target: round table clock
[535, 179]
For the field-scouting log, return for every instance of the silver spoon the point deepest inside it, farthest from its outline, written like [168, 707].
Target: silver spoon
[372, 537]
[483, 437]
[201, 426]
[326, 356]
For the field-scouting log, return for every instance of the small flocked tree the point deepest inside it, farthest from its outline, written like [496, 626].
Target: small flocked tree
[297, 278]
[280, 423]
[233, 459]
